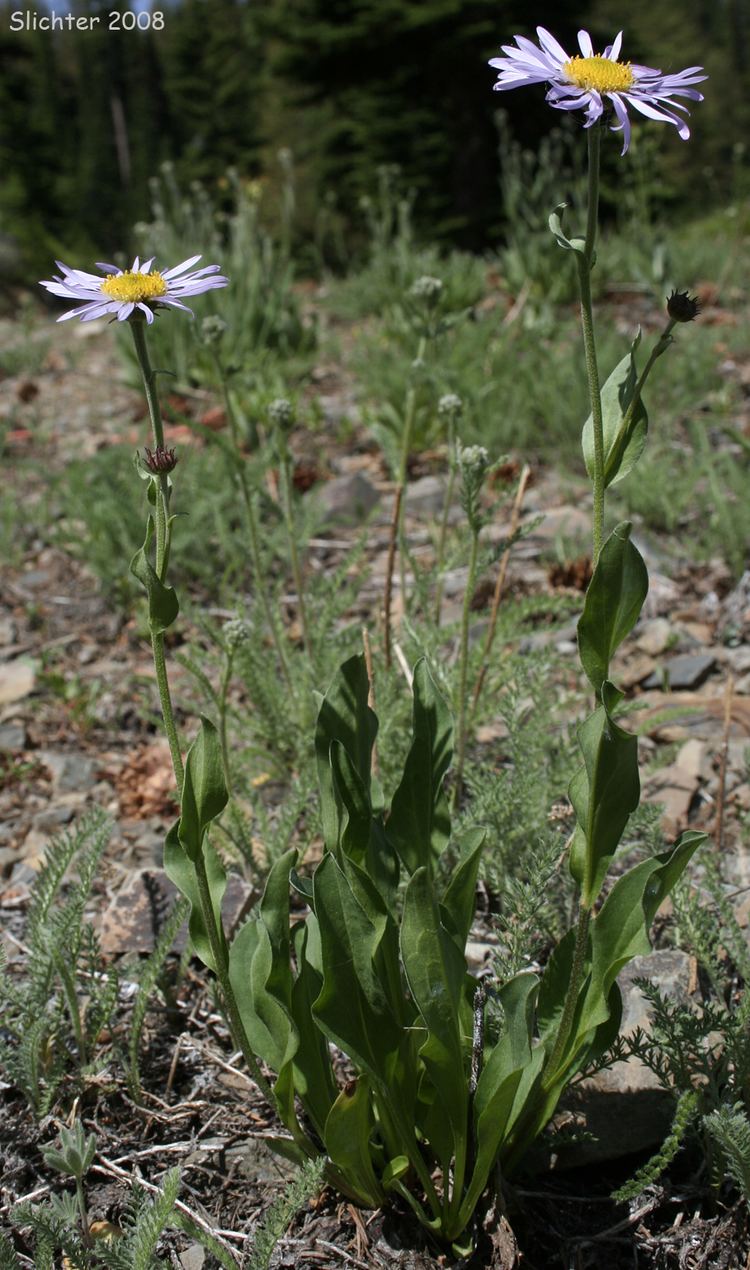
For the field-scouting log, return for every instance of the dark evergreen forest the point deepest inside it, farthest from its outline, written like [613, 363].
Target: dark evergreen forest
[86, 117]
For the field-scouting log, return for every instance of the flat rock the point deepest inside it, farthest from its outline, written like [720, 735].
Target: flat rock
[425, 496]
[347, 500]
[17, 680]
[654, 636]
[134, 918]
[12, 737]
[694, 759]
[673, 787]
[71, 772]
[625, 1107]
[567, 521]
[685, 671]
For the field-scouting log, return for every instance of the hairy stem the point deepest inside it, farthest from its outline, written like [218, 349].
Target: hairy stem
[585, 262]
[397, 519]
[464, 666]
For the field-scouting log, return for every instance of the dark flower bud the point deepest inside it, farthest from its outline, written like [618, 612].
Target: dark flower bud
[682, 307]
[160, 460]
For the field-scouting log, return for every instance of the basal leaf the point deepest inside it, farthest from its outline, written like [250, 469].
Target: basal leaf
[437, 977]
[419, 823]
[347, 1140]
[344, 716]
[458, 904]
[313, 1074]
[352, 1008]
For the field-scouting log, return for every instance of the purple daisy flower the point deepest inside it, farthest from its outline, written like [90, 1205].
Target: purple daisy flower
[123, 291]
[581, 82]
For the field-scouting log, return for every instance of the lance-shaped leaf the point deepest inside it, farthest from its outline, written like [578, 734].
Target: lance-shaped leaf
[620, 930]
[163, 605]
[613, 603]
[499, 1081]
[604, 793]
[419, 823]
[347, 1140]
[345, 717]
[354, 803]
[352, 1008]
[459, 901]
[313, 1074]
[624, 425]
[260, 971]
[436, 974]
[204, 790]
[180, 869]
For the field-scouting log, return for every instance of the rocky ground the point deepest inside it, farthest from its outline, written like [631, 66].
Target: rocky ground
[77, 730]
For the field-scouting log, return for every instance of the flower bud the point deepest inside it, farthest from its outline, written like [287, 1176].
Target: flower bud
[450, 406]
[281, 413]
[236, 632]
[426, 290]
[682, 307]
[213, 329]
[160, 460]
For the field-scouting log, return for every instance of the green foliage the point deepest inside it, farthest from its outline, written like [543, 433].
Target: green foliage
[48, 1035]
[684, 1118]
[282, 1212]
[729, 1127]
[149, 977]
[260, 307]
[383, 967]
[143, 1225]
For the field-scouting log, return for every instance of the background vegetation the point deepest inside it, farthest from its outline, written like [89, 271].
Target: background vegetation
[344, 85]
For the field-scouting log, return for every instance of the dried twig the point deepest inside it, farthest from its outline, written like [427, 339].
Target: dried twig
[110, 1168]
[515, 517]
[721, 792]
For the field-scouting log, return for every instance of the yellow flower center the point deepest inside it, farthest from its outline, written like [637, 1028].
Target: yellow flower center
[134, 287]
[599, 74]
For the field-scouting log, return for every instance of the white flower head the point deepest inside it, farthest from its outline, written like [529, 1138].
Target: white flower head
[582, 82]
[139, 291]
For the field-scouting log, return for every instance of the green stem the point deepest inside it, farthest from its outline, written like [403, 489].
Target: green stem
[252, 528]
[410, 411]
[216, 937]
[223, 694]
[439, 584]
[288, 509]
[464, 666]
[83, 1212]
[585, 262]
[71, 996]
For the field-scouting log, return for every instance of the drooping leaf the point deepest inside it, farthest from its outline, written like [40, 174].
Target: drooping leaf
[354, 832]
[625, 431]
[180, 869]
[419, 823]
[204, 790]
[163, 605]
[614, 600]
[577, 245]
